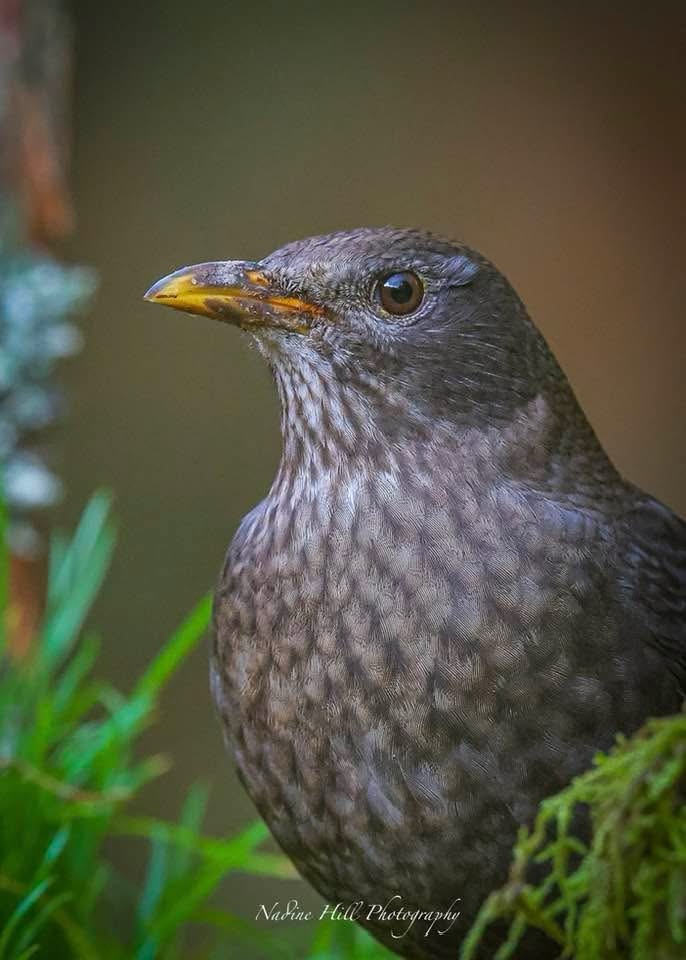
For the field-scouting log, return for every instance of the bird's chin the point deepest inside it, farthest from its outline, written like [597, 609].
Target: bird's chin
[290, 351]
[272, 342]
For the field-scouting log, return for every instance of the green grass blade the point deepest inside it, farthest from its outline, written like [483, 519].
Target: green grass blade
[22, 908]
[182, 641]
[73, 586]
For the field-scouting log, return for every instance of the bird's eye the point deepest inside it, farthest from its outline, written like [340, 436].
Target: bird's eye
[400, 293]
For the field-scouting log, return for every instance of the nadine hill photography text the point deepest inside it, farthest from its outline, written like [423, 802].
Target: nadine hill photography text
[402, 917]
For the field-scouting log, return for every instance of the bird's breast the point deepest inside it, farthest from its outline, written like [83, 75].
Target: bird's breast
[390, 663]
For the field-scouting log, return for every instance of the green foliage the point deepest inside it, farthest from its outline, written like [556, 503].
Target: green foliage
[622, 894]
[67, 765]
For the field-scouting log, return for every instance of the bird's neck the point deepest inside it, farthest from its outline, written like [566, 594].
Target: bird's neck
[344, 429]
[329, 427]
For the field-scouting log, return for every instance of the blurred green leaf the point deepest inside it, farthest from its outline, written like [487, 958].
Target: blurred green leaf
[174, 651]
[68, 770]
[76, 573]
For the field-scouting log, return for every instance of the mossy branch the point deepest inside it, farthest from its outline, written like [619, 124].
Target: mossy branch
[623, 894]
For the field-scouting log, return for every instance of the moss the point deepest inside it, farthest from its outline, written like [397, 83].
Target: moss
[623, 893]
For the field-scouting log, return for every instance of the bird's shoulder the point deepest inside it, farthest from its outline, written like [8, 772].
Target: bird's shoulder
[652, 543]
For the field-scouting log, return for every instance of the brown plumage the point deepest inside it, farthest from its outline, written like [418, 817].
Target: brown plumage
[449, 599]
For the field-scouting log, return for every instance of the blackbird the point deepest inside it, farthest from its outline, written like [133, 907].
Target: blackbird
[449, 599]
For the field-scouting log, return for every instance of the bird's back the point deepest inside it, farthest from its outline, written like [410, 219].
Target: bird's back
[653, 577]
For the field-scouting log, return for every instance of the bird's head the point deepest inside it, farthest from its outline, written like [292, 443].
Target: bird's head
[408, 328]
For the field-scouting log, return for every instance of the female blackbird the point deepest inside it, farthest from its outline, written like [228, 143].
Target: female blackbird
[449, 599]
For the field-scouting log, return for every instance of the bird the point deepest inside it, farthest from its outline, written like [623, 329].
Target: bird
[448, 600]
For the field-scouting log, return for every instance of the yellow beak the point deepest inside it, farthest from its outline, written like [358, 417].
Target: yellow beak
[236, 292]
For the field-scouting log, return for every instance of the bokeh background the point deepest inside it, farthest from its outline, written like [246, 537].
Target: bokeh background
[551, 137]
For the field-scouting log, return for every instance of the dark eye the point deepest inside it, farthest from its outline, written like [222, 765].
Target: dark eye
[400, 293]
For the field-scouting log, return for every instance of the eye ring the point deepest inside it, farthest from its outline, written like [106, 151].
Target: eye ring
[400, 293]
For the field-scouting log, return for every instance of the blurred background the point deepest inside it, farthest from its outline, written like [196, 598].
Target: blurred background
[551, 138]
